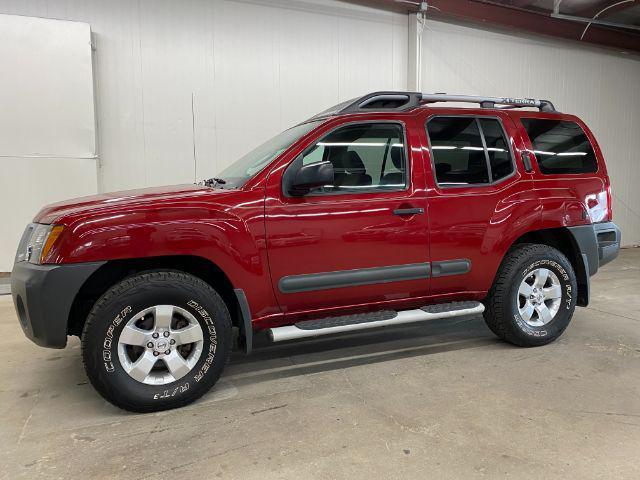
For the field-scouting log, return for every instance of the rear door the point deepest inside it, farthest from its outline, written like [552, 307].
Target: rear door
[361, 242]
[480, 196]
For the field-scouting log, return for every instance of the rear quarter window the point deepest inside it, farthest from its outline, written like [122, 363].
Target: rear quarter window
[560, 146]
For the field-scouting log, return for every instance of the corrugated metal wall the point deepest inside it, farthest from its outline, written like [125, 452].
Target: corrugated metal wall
[250, 70]
[599, 86]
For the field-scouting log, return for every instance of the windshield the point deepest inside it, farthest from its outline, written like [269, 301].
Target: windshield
[237, 174]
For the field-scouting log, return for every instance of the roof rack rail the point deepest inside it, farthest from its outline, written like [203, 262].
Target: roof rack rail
[401, 101]
[395, 101]
[491, 102]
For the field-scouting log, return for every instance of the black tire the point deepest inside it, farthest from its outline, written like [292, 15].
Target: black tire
[119, 304]
[501, 305]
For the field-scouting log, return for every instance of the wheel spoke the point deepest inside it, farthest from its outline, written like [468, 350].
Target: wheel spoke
[141, 368]
[163, 316]
[176, 365]
[132, 335]
[159, 344]
[527, 312]
[525, 289]
[190, 334]
[541, 276]
[544, 313]
[553, 292]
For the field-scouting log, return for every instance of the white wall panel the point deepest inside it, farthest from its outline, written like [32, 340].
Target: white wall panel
[252, 68]
[598, 86]
[45, 83]
[47, 123]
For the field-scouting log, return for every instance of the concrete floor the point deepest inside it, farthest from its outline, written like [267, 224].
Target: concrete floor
[440, 400]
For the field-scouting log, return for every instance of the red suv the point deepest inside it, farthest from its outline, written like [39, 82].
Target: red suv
[381, 211]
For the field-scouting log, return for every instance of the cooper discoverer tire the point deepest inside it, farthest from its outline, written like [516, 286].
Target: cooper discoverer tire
[156, 341]
[533, 296]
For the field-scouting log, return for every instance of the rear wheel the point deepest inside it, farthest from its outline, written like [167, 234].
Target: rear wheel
[156, 341]
[533, 296]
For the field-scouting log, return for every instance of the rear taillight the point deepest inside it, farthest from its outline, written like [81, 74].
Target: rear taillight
[599, 205]
[609, 203]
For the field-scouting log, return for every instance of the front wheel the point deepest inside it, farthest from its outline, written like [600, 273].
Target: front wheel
[533, 296]
[156, 341]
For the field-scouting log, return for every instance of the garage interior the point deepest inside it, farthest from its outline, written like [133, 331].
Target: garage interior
[106, 96]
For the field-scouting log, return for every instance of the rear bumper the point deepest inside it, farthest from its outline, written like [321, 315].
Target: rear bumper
[43, 295]
[597, 244]
[608, 238]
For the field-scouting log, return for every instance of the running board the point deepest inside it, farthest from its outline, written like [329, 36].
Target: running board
[364, 321]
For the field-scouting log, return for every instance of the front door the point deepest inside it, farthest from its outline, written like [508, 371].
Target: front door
[362, 240]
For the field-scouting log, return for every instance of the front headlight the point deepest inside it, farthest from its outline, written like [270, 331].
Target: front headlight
[36, 242]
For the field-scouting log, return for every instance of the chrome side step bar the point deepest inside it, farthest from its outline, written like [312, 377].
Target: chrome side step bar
[350, 323]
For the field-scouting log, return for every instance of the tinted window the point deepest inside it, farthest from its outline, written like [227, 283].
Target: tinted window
[560, 146]
[366, 156]
[458, 155]
[497, 149]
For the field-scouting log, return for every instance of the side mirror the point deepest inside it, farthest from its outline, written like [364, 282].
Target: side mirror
[309, 177]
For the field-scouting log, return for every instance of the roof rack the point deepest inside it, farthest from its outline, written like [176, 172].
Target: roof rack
[491, 102]
[402, 101]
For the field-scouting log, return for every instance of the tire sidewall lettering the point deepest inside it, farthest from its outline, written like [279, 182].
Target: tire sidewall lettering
[213, 339]
[109, 340]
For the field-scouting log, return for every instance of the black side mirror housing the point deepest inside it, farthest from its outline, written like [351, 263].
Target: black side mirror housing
[311, 176]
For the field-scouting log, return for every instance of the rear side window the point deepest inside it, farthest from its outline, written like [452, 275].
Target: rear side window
[560, 146]
[497, 149]
[469, 151]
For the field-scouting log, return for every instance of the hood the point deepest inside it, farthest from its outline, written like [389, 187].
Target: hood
[109, 202]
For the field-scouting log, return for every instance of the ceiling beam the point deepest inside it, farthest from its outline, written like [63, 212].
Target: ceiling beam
[487, 12]
[540, 23]
[521, 3]
[399, 6]
[605, 8]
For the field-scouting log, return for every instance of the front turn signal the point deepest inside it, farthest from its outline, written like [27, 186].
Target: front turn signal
[51, 240]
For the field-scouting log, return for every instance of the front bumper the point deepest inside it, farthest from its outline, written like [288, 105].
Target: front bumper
[43, 296]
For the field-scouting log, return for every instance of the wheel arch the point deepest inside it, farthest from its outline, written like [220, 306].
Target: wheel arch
[562, 240]
[114, 271]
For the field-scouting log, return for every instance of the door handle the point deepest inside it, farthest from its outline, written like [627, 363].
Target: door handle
[408, 211]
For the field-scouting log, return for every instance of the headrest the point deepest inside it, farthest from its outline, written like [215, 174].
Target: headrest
[442, 168]
[350, 162]
[396, 157]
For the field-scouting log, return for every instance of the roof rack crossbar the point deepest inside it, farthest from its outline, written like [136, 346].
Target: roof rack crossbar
[490, 102]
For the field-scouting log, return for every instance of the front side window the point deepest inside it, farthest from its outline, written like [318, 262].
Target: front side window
[469, 151]
[560, 146]
[368, 156]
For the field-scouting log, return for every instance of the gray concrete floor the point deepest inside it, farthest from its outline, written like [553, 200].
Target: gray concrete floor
[439, 400]
[5, 285]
